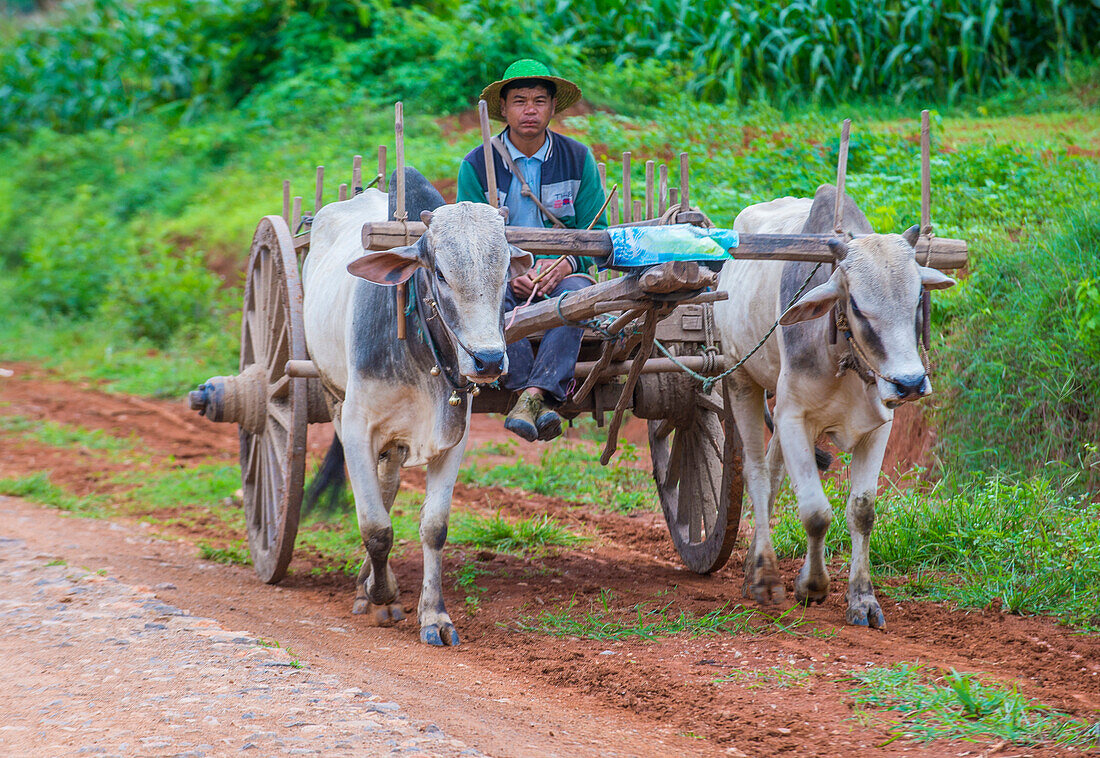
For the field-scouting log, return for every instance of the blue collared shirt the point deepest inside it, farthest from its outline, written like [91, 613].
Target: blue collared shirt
[522, 211]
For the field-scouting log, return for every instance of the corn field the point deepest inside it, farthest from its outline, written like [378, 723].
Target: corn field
[833, 49]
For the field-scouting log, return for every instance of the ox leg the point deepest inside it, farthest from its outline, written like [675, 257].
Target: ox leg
[376, 586]
[435, 624]
[863, 607]
[814, 510]
[762, 580]
[776, 472]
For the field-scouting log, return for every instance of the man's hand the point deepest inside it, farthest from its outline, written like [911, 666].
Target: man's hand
[522, 285]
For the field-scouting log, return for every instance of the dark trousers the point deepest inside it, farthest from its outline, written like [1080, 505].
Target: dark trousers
[551, 370]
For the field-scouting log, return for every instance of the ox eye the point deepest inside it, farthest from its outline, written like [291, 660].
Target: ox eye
[439, 276]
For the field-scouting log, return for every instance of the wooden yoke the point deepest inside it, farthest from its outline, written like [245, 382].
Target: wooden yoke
[399, 211]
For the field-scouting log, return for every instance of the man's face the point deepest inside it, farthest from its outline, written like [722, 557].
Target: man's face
[528, 111]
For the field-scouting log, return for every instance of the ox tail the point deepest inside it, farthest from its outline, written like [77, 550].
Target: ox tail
[822, 458]
[325, 493]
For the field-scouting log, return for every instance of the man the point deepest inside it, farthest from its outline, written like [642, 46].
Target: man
[561, 173]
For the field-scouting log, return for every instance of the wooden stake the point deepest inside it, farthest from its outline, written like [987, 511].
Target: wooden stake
[356, 175]
[383, 169]
[490, 163]
[662, 190]
[841, 173]
[286, 201]
[684, 200]
[628, 203]
[318, 197]
[342, 193]
[673, 197]
[925, 174]
[638, 208]
[649, 204]
[296, 217]
[601, 169]
[399, 211]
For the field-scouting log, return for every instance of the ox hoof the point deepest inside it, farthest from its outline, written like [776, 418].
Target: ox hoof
[767, 590]
[378, 615]
[866, 612]
[440, 635]
[809, 590]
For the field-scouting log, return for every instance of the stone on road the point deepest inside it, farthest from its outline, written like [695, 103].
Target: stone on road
[93, 666]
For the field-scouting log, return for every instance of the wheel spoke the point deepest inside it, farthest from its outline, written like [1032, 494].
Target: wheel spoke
[664, 429]
[280, 389]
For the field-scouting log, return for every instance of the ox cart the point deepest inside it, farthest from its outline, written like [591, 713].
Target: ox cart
[650, 348]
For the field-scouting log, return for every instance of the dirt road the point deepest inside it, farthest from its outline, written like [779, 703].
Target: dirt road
[509, 692]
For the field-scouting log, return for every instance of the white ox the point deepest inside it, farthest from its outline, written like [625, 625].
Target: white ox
[395, 410]
[846, 390]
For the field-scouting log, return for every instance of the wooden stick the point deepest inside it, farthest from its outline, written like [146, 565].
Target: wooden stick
[684, 200]
[318, 197]
[925, 174]
[286, 201]
[399, 210]
[296, 216]
[841, 173]
[383, 169]
[649, 204]
[356, 175]
[490, 162]
[673, 197]
[626, 397]
[662, 190]
[627, 203]
[342, 193]
[652, 366]
[638, 208]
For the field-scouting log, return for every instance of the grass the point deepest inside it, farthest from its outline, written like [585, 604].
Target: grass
[40, 489]
[776, 676]
[962, 706]
[572, 472]
[236, 553]
[602, 621]
[65, 435]
[466, 580]
[1029, 547]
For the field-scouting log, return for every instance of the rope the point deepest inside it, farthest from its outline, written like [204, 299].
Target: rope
[708, 382]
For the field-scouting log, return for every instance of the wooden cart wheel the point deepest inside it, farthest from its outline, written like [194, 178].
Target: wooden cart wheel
[697, 467]
[273, 430]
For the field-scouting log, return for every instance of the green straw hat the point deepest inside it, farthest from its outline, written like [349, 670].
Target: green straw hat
[525, 68]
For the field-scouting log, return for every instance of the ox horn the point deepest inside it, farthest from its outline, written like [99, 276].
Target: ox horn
[426, 218]
[911, 235]
[839, 248]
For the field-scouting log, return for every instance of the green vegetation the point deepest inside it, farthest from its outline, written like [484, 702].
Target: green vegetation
[1029, 547]
[776, 676]
[64, 435]
[602, 621]
[232, 554]
[962, 706]
[572, 472]
[39, 488]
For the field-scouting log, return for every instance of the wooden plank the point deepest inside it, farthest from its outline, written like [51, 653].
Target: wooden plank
[342, 193]
[356, 175]
[286, 201]
[318, 196]
[944, 253]
[652, 366]
[296, 215]
[383, 170]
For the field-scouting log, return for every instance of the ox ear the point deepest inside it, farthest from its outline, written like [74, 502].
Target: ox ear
[933, 279]
[522, 261]
[388, 267]
[911, 235]
[814, 304]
